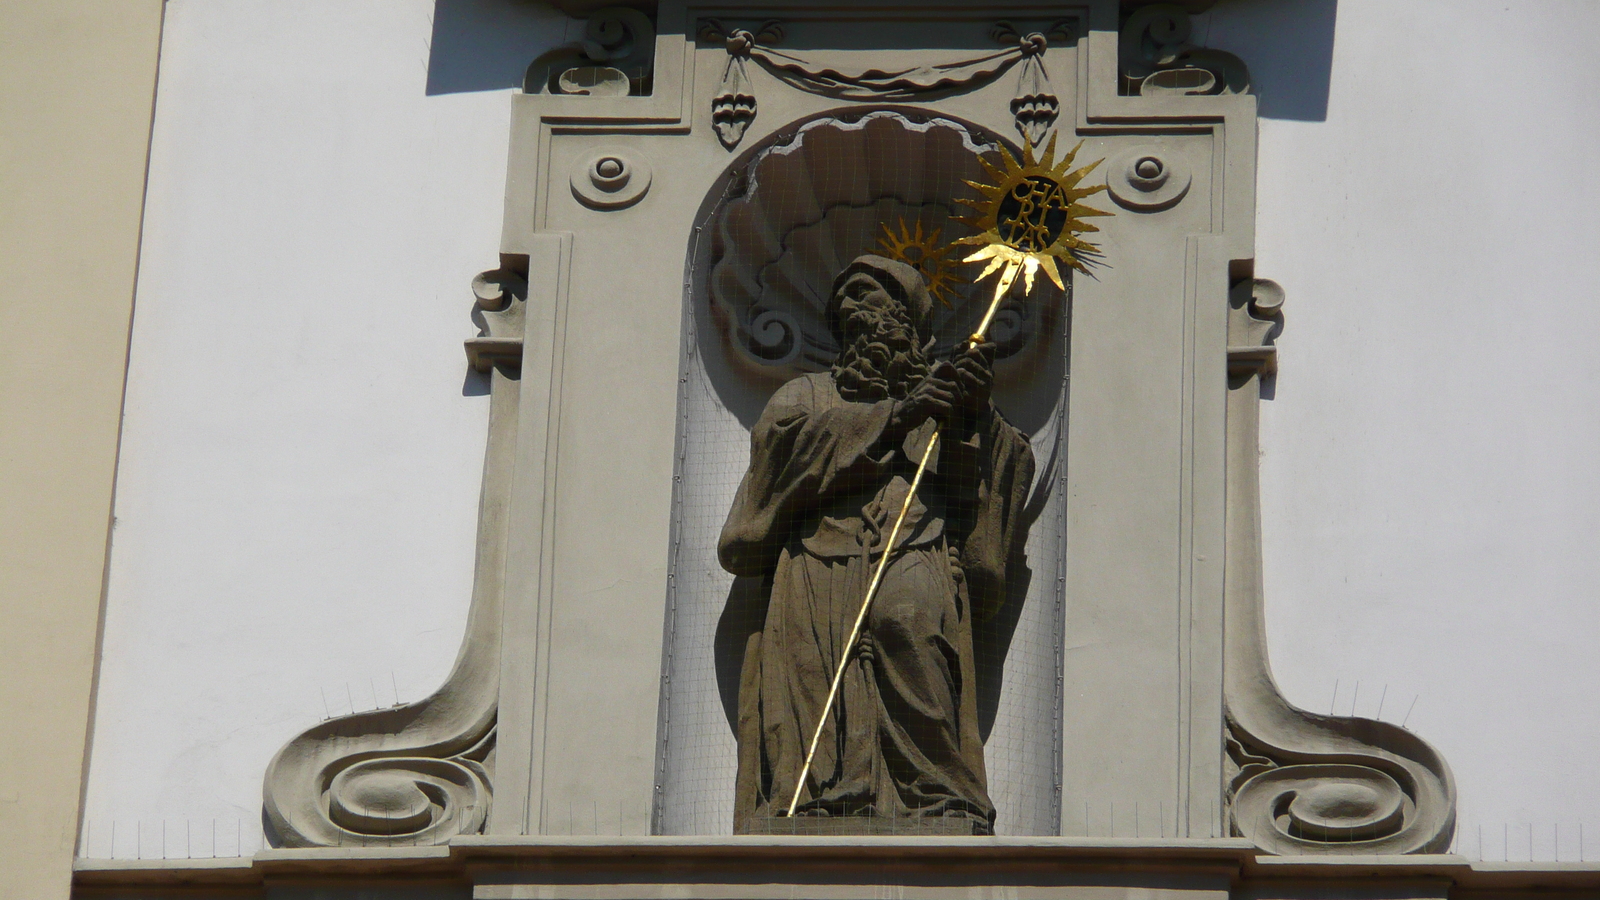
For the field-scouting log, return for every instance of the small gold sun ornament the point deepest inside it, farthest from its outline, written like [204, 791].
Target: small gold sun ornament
[1030, 217]
[923, 252]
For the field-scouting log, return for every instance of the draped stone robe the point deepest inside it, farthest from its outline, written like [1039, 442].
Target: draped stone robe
[811, 515]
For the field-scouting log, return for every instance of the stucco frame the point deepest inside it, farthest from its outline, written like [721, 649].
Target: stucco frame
[1163, 659]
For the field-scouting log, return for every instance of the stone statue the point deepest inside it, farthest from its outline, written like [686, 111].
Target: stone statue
[831, 461]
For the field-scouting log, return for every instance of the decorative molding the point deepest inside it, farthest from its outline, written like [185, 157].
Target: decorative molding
[1255, 316]
[421, 773]
[897, 85]
[502, 296]
[520, 499]
[615, 58]
[1148, 178]
[611, 178]
[1155, 57]
[691, 868]
[1034, 108]
[1299, 782]
[414, 774]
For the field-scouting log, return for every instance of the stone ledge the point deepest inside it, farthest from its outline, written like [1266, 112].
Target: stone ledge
[754, 845]
[841, 867]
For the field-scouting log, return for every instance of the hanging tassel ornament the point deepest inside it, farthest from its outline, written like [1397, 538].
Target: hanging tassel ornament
[1035, 106]
[733, 107]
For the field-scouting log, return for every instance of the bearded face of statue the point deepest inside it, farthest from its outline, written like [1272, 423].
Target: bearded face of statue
[881, 356]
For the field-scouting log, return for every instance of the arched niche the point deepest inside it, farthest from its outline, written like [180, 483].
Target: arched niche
[772, 232]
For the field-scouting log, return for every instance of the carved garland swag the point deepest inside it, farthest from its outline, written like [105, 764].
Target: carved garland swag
[1034, 107]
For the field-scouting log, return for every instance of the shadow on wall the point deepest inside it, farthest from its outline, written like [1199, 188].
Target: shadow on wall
[1287, 45]
[486, 45]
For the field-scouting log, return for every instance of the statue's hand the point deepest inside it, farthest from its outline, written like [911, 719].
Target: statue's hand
[933, 397]
[975, 376]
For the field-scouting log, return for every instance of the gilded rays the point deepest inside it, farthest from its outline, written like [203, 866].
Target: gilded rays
[1027, 217]
[923, 252]
[1030, 215]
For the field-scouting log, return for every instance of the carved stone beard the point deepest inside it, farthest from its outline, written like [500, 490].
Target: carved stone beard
[883, 360]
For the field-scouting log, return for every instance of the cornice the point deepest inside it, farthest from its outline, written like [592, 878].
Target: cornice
[688, 867]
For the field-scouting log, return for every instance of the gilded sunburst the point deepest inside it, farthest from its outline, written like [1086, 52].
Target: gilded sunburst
[1030, 217]
[924, 252]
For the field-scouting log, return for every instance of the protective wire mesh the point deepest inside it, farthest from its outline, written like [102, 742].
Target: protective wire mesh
[760, 277]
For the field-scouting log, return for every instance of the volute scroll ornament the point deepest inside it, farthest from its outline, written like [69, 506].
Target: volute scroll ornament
[502, 301]
[1299, 782]
[614, 58]
[1155, 57]
[421, 773]
[418, 773]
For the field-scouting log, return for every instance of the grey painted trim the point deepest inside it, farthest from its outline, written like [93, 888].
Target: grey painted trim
[1210, 253]
[531, 526]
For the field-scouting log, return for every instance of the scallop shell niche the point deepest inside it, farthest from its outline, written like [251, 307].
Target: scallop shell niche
[826, 193]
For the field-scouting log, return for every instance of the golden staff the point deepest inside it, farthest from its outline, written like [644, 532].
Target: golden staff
[1027, 220]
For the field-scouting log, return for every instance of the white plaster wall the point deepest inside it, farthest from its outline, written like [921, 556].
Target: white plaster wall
[1431, 462]
[298, 487]
[300, 464]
